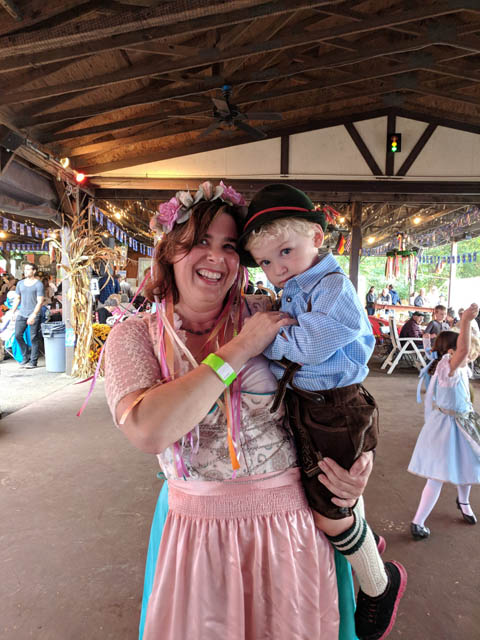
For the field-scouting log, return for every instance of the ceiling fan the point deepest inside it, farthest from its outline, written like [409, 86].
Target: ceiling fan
[228, 115]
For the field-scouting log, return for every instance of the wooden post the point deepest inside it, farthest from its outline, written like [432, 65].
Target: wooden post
[356, 246]
[66, 303]
[453, 272]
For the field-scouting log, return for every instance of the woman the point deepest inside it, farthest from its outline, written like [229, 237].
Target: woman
[371, 299]
[239, 555]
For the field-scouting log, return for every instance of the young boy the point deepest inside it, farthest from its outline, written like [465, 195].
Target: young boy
[323, 363]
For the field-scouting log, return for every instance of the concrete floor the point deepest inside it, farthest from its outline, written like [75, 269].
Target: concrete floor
[76, 501]
[20, 387]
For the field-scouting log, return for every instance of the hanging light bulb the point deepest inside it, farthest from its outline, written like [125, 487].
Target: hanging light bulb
[79, 177]
[417, 220]
[371, 239]
[118, 215]
[3, 234]
[341, 220]
[65, 162]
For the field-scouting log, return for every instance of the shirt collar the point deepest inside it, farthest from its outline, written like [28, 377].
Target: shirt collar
[307, 280]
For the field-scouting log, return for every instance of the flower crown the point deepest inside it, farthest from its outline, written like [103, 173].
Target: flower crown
[179, 208]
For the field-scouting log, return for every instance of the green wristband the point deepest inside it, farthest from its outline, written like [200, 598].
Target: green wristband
[223, 370]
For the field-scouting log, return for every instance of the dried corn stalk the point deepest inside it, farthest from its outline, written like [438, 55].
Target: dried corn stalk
[85, 252]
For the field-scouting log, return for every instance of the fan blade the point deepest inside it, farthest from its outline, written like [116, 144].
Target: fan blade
[210, 128]
[258, 115]
[253, 131]
[221, 105]
[192, 117]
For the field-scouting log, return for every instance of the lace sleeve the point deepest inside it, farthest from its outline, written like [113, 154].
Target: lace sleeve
[443, 373]
[130, 361]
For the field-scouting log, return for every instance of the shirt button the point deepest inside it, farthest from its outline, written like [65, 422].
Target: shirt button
[289, 299]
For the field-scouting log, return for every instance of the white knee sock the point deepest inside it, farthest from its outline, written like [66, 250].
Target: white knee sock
[429, 498]
[358, 546]
[359, 508]
[463, 491]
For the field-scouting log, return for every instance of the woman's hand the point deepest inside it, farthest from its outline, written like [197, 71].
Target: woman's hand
[261, 329]
[349, 485]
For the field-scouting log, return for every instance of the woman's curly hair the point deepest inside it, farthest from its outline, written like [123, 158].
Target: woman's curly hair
[181, 240]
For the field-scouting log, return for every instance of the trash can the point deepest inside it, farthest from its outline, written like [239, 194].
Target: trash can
[54, 341]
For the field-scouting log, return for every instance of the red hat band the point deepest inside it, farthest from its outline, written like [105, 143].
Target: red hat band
[275, 209]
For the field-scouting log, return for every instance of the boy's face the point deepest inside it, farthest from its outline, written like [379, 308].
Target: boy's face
[287, 256]
[440, 315]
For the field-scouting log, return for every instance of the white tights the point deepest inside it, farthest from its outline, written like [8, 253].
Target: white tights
[430, 495]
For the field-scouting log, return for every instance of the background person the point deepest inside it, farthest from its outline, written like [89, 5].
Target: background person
[445, 450]
[29, 302]
[420, 300]
[217, 525]
[439, 322]
[394, 295]
[370, 300]
[125, 287]
[413, 329]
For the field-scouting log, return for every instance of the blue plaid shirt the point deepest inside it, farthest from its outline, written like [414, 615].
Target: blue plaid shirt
[333, 341]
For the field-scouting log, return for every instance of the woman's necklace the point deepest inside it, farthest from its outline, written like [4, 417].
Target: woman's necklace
[199, 333]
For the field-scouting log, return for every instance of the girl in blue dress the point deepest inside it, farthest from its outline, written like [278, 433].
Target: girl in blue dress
[448, 446]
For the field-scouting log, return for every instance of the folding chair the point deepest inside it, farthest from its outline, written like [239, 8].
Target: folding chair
[405, 348]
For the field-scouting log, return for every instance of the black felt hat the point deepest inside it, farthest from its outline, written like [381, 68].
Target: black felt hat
[271, 203]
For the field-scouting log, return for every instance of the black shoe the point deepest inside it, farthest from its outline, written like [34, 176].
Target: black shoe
[375, 616]
[23, 364]
[29, 365]
[418, 531]
[466, 517]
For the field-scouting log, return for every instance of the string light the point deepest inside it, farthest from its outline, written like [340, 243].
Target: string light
[417, 220]
[79, 177]
[3, 234]
[371, 239]
[65, 162]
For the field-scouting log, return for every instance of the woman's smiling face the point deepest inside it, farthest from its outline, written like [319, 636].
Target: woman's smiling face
[205, 274]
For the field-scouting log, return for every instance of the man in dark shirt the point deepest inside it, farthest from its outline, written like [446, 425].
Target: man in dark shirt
[412, 328]
[29, 301]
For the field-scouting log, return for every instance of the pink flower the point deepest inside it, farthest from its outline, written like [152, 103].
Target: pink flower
[168, 214]
[231, 195]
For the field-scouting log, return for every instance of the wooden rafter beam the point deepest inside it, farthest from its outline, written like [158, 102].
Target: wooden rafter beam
[336, 191]
[212, 56]
[417, 149]
[364, 150]
[98, 166]
[96, 45]
[147, 97]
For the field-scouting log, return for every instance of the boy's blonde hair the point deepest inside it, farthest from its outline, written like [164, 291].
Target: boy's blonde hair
[279, 228]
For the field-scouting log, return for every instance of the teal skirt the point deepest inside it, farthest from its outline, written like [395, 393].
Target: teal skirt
[346, 595]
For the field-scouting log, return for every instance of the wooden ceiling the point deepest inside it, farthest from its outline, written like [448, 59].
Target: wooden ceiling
[114, 84]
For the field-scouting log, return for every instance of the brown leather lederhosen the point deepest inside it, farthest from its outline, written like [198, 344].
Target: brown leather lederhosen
[338, 423]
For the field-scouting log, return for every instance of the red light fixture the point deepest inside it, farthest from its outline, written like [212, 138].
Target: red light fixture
[80, 177]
